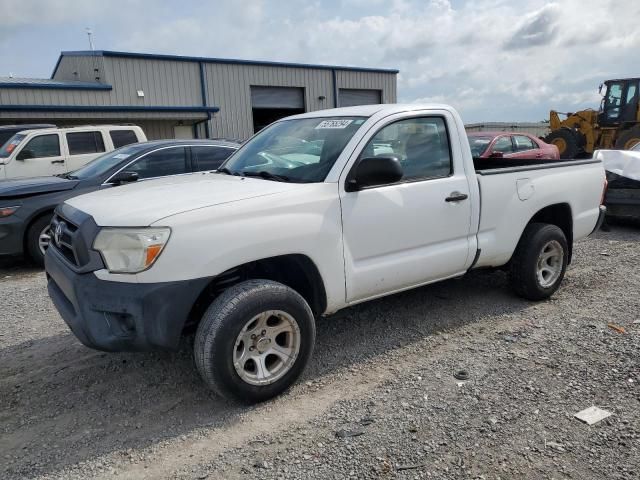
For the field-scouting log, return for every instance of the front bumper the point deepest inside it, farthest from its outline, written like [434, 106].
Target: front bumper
[118, 316]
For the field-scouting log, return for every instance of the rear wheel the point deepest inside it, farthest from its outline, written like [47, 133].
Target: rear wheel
[567, 141]
[38, 238]
[539, 262]
[254, 341]
[628, 139]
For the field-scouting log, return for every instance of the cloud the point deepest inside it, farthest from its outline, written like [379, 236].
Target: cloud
[23, 13]
[538, 28]
[492, 59]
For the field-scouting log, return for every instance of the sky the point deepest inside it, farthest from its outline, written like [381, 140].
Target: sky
[494, 60]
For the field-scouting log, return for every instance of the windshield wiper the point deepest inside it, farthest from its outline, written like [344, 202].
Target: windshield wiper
[226, 171]
[267, 176]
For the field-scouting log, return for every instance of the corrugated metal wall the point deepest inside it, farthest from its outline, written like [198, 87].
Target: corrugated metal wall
[177, 83]
[39, 96]
[164, 83]
[167, 83]
[229, 87]
[386, 82]
[153, 129]
[83, 68]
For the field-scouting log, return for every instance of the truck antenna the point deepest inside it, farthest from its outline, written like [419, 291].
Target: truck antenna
[90, 35]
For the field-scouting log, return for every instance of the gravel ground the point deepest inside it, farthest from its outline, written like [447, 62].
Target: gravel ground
[379, 399]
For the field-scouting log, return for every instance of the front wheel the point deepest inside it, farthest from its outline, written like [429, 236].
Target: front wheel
[539, 262]
[254, 341]
[38, 239]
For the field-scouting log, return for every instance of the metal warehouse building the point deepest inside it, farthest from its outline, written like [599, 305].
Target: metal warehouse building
[183, 97]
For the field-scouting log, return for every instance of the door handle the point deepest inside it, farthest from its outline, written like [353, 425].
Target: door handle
[456, 197]
[57, 161]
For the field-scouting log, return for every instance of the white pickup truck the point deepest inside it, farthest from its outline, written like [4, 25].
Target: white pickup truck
[315, 213]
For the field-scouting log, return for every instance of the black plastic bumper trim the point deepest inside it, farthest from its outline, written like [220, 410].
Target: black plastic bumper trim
[119, 316]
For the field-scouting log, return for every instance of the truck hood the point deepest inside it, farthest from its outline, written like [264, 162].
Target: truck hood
[34, 186]
[146, 202]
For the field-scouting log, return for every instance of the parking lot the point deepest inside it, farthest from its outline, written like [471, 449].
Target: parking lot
[378, 401]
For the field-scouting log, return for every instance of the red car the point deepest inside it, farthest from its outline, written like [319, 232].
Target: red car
[510, 145]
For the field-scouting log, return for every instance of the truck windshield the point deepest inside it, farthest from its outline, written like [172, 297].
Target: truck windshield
[106, 162]
[11, 145]
[479, 145]
[300, 150]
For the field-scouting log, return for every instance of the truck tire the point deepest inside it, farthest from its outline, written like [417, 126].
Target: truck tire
[36, 239]
[568, 142]
[628, 139]
[254, 341]
[539, 262]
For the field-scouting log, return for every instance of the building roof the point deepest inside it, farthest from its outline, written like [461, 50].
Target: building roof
[13, 82]
[181, 58]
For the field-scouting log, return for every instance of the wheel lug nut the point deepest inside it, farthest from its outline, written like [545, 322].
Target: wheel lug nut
[252, 348]
[264, 332]
[253, 335]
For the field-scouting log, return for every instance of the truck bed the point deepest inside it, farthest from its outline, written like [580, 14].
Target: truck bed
[512, 191]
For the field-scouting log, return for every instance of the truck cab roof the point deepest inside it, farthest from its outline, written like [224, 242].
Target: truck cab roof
[371, 110]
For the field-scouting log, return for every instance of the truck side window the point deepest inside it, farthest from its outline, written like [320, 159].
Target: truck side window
[41, 146]
[168, 161]
[421, 144]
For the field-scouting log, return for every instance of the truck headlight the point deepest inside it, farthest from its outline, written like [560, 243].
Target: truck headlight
[130, 250]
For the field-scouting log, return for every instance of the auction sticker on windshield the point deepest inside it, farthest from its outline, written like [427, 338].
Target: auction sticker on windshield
[334, 124]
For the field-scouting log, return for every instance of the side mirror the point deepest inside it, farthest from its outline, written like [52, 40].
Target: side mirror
[125, 177]
[372, 171]
[25, 154]
[496, 155]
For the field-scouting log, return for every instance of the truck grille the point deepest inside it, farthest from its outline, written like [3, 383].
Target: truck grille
[72, 236]
[62, 236]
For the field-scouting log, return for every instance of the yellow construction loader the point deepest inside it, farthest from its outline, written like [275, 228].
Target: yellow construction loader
[615, 125]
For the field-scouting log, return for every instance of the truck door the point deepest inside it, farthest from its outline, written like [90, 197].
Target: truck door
[416, 230]
[40, 155]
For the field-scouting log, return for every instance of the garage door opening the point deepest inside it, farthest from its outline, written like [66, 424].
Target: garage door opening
[269, 104]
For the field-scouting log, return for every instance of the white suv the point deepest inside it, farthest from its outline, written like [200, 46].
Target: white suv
[52, 151]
